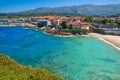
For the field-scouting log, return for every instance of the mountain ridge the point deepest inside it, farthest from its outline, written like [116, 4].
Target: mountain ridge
[88, 9]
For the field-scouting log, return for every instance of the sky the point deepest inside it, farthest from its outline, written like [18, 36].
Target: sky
[21, 5]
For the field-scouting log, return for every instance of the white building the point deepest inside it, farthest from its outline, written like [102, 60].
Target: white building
[44, 23]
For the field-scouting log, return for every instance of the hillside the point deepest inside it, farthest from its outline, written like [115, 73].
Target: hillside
[10, 70]
[102, 10]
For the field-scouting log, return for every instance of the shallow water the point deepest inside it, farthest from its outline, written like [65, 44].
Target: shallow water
[73, 58]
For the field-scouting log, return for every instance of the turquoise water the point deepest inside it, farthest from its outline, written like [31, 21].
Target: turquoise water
[73, 58]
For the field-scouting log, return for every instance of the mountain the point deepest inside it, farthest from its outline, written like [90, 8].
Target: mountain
[100, 10]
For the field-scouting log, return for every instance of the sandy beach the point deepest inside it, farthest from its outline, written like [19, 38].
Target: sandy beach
[110, 39]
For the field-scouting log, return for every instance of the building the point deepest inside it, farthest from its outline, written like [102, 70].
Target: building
[44, 23]
[79, 25]
[4, 22]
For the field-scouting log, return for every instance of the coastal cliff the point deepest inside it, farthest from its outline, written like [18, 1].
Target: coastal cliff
[10, 70]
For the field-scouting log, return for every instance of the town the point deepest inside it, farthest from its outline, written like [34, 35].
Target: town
[68, 25]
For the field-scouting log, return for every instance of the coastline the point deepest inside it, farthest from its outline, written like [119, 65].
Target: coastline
[59, 35]
[109, 39]
[64, 33]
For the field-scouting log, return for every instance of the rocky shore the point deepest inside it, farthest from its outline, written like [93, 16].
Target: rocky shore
[58, 33]
[66, 32]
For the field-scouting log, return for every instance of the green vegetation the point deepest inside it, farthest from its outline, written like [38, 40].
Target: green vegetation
[115, 15]
[78, 31]
[64, 25]
[10, 70]
[117, 24]
[96, 21]
[105, 21]
[30, 14]
[89, 19]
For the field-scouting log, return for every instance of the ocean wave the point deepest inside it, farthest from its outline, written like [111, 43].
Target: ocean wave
[110, 43]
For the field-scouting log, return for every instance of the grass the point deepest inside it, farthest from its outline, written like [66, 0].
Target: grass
[10, 70]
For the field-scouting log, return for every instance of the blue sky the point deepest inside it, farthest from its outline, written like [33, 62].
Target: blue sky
[20, 5]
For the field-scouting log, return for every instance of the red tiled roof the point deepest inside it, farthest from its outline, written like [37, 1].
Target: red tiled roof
[77, 23]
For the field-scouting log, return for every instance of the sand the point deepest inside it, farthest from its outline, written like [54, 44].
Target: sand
[110, 39]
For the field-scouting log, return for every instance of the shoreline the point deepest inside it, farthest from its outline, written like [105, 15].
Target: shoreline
[59, 35]
[118, 48]
[109, 39]
[63, 33]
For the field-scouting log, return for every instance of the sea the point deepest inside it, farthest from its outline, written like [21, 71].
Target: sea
[72, 58]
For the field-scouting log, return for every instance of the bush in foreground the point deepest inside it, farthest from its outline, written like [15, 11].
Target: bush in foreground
[10, 70]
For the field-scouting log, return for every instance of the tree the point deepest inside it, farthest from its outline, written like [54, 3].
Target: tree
[117, 24]
[64, 25]
[89, 19]
[96, 21]
[105, 21]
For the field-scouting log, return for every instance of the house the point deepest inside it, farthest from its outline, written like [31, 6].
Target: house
[79, 25]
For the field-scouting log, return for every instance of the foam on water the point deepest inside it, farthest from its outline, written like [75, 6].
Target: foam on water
[110, 43]
[73, 58]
